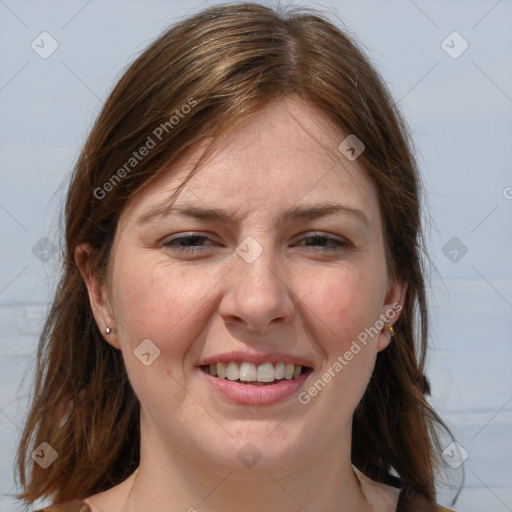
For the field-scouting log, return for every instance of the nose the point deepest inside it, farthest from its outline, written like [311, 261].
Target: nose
[258, 294]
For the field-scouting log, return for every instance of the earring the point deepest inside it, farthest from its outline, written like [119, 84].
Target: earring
[108, 330]
[391, 331]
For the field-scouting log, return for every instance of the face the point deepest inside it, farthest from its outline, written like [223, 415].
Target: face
[279, 280]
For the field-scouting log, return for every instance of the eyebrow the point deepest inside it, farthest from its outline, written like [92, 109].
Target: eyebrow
[297, 213]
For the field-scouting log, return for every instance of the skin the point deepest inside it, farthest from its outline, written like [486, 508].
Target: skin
[296, 296]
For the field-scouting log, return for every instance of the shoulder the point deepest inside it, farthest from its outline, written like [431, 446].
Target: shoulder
[415, 502]
[69, 506]
[392, 494]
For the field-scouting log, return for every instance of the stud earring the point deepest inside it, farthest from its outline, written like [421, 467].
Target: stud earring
[391, 331]
[108, 330]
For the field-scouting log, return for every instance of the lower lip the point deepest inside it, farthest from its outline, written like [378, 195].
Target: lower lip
[253, 394]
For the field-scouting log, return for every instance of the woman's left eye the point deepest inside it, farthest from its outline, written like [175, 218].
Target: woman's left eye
[326, 243]
[191, 243]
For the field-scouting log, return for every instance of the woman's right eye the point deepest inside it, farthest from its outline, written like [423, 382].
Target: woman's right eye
[188, 243]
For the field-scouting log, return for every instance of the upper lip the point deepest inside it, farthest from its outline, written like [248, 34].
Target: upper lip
[256, 358]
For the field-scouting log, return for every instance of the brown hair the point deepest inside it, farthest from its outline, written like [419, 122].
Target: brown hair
[226, 63]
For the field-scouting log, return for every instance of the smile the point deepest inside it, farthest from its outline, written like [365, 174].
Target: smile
[253, 384]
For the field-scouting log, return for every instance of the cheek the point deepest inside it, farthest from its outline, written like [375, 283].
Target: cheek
[343, 311]
[168, 306]
[347, 305]
[346, 308]
[160, 302]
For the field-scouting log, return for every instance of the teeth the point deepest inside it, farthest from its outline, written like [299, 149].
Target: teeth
[280, 370]
[249, 372]
[265, 373]
[232, 371]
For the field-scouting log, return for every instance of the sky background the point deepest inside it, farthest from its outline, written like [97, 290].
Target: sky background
[455, 91]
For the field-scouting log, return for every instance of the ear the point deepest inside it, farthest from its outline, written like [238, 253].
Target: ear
[391, 310]
[98, 294]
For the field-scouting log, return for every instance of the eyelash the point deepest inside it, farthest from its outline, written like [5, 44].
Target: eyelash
[335, 245]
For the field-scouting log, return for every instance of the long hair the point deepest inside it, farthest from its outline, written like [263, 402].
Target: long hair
[199, 79]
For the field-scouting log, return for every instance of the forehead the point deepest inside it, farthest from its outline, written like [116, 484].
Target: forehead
[287, 154]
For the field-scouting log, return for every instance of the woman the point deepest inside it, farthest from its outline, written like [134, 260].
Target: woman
[237, 320]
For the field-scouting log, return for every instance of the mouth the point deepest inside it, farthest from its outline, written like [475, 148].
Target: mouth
[243, 372]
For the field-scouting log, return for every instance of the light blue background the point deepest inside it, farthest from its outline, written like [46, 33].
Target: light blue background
[460, 113]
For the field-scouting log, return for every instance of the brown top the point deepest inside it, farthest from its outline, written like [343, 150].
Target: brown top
[406, 503]
[70, 506]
